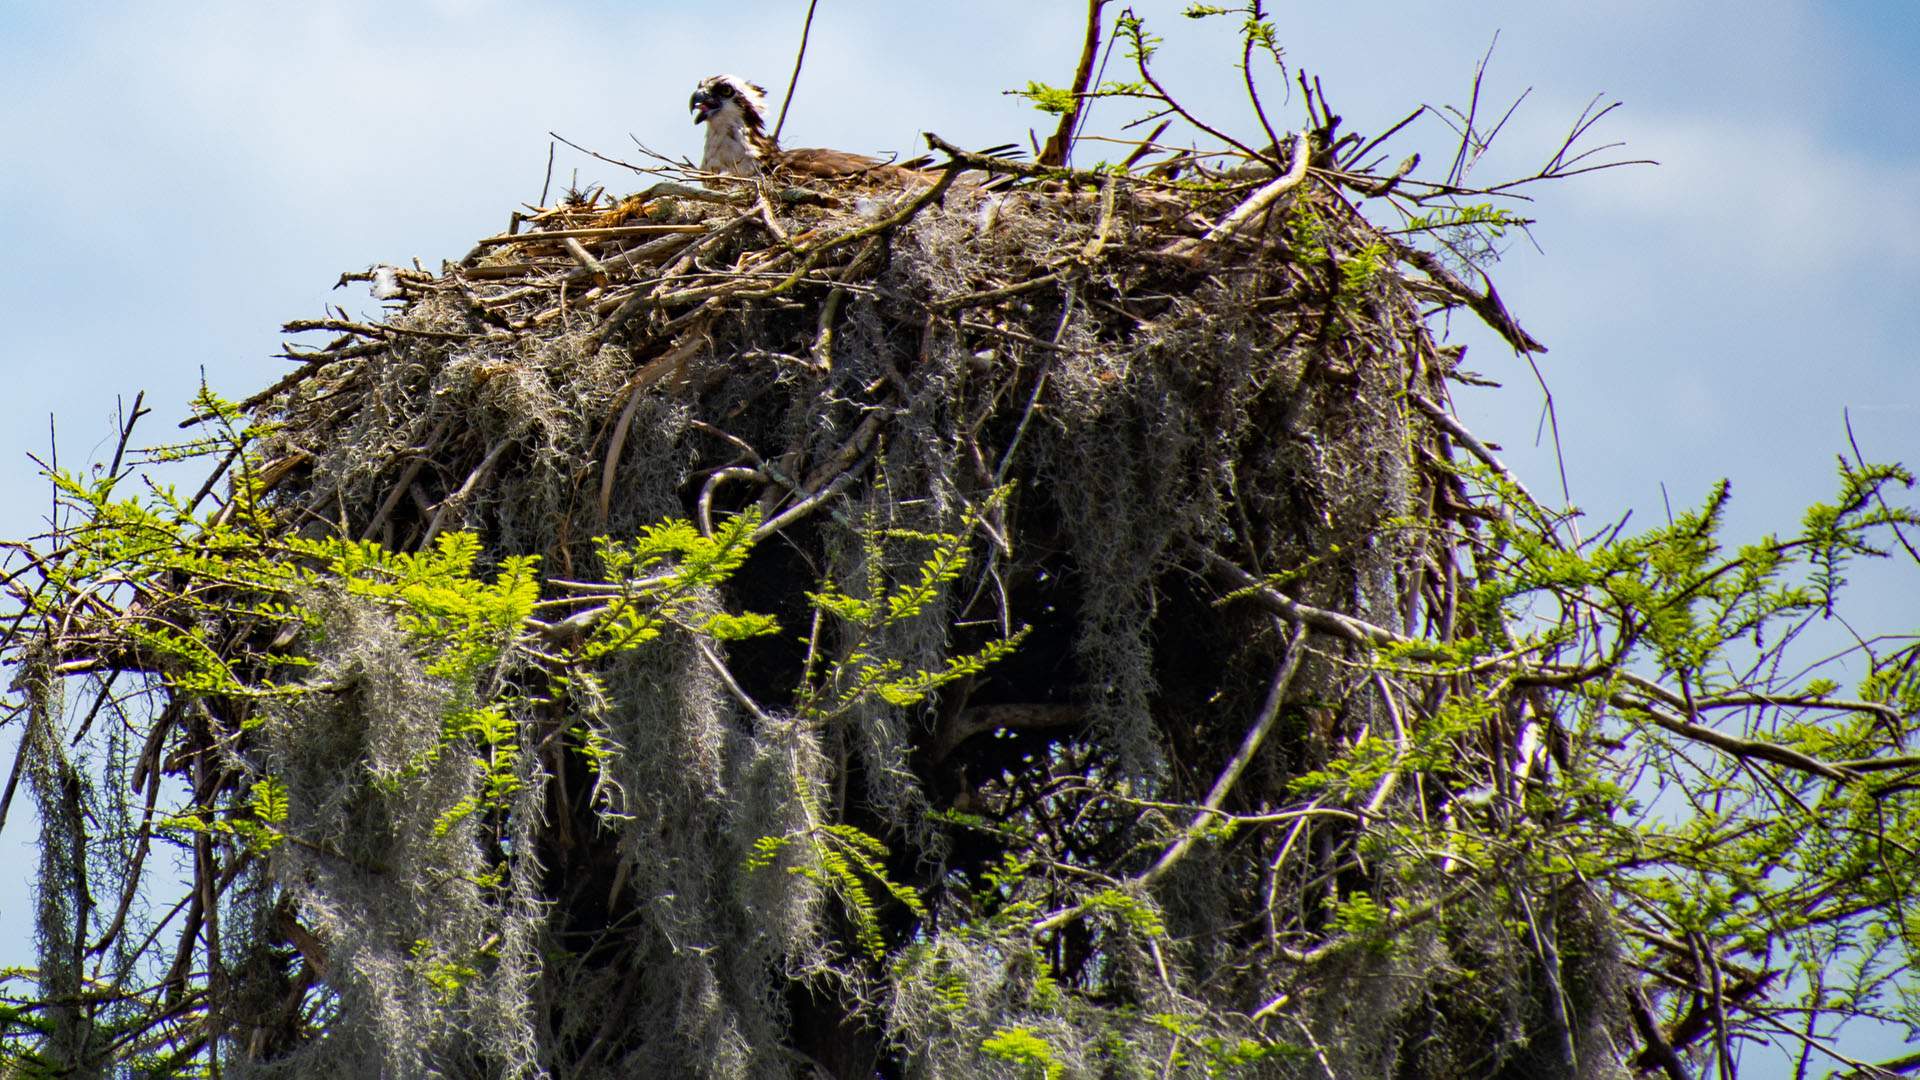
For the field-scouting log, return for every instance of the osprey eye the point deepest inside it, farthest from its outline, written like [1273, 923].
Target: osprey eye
[724, 90]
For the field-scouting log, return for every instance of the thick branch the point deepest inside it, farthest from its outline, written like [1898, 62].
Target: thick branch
[1060, 143]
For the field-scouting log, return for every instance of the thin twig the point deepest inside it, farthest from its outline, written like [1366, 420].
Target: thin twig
[1256, 20]
[133, 417]
[1860, 459]
[799, 58]
[1146, 74]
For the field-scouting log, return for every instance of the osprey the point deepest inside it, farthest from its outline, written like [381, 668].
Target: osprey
[735, 112]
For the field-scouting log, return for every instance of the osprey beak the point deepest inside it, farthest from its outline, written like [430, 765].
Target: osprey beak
[703, 105]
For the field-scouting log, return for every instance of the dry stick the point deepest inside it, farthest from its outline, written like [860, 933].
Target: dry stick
[1657, 1050]
[1263, 198]
[720, 476]
[1237, 765]
[987, 163]
[310, 363]
[773, 224]
[1550, 411]
[733, 686]
[587, 262]
[649, 298]
[1222, 785]
[1014, 335]
[588, 234]
[1487, 305]
[988, 296]
[642, 169]
[1452, 425]
[1358, 631]
[213, 478]
[849, 452]
[738, 283]
[1046, 367]
[810, 253]
[52, 468]
[1461, 162]
[1026, 417]
[670, 188]
[1392, 779]
[799, 58]
[406, 479]
[460, 496]
[649, 374]
[1385, 187]
[1361, 152]
[1147, 146]
[812, 502]
[1102, 231]
[648, 254]
[1060, 143]
[497, 272]
[1560, 164]
[368, 330]
[822, 351]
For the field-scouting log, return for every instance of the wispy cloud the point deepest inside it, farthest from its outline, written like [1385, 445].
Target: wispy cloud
[1779, 198]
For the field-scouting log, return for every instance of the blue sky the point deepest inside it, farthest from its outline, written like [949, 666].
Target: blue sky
[178, 180]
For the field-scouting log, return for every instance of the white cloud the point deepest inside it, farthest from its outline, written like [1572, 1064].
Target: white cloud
[1775, 196]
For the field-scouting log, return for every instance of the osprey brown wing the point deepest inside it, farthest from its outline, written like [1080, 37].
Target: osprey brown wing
[820, 163]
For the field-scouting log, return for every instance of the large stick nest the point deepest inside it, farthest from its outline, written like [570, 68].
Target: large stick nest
[1200, 432]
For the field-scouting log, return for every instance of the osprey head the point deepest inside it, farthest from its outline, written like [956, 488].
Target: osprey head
[724, 98]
